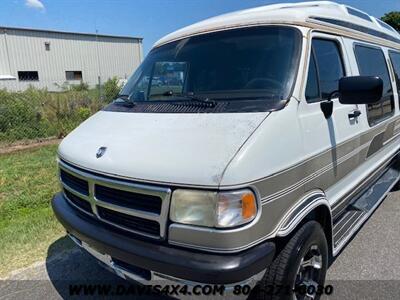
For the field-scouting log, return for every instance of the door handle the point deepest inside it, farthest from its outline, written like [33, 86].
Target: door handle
[355, 114]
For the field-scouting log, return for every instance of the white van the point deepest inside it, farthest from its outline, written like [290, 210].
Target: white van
[251, 145]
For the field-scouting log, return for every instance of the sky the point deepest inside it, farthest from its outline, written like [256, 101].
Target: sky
[150, 19]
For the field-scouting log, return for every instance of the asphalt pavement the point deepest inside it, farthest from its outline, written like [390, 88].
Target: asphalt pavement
[367, 268]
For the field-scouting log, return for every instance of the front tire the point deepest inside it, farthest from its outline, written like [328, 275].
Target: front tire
[302, 263]
[396, 187]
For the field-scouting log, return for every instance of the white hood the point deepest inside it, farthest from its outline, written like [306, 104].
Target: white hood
[192, 149]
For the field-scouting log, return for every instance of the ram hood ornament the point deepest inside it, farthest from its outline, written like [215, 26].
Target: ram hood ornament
[101, 152]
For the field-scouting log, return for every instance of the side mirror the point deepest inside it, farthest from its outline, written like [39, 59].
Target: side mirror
[360, 90]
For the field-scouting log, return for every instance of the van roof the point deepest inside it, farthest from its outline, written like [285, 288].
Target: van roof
[311, 14]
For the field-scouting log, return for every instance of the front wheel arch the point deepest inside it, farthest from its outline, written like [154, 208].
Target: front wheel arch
[320, 214]
[284, 271]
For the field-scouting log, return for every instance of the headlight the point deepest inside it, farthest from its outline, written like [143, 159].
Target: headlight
[213, 209]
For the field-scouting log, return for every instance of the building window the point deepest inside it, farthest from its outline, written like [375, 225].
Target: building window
[28, 76]
[73, 75]
[47, 46]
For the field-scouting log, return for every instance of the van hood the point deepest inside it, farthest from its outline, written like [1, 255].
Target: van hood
[183, 149]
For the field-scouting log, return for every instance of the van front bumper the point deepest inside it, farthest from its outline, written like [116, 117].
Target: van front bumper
[161, 258]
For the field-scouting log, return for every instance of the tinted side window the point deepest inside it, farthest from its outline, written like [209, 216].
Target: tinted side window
[359, 14]
[372, 62]
[329, 65]
[312, 89]
[395, 58]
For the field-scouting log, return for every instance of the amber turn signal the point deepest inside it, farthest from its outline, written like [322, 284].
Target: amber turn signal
[249, 208]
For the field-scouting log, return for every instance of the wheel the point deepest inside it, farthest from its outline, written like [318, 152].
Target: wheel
[301, 264]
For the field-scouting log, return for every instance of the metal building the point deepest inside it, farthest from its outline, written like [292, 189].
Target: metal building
[51, 59]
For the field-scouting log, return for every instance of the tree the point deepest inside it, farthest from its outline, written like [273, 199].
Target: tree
[393, 19]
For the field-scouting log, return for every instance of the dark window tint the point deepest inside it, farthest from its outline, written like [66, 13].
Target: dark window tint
[329, 65]
[256, 63]
[372, 62]
[73, 75]
[356, 27]
[395, 58]
[385, 25]
[312, 89]
[359, 14]
[28, 75]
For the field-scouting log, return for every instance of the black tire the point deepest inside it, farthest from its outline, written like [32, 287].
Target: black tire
[396, 187]
[279, 279]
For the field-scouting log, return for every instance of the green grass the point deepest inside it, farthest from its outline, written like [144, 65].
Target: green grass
[28, 180]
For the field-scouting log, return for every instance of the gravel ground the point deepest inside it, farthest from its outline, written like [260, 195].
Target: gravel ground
[368, 268]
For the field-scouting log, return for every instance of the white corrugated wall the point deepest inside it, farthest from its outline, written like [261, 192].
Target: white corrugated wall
[93, 56]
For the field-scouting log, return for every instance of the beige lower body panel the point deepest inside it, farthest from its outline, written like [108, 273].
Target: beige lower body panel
[335, 172]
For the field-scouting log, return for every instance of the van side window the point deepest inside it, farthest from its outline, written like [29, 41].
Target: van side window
[312, 89]
[371, 62]
[329, 67]
[395, 59]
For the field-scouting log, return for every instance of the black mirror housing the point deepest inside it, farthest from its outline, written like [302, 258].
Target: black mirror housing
[360, 90]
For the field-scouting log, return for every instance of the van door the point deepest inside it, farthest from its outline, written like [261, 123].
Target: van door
[372, 61]
[332, 145]
[395, 64]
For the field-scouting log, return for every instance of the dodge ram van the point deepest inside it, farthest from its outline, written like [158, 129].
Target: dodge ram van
[249, 146]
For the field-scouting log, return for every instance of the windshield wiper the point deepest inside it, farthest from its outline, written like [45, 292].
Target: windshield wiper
[125, 100]
[193, 100]
[196, 101]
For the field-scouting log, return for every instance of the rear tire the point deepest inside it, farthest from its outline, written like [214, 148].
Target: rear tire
[302, 262]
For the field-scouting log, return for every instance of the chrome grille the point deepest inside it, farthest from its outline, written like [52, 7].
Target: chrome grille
[139, 208]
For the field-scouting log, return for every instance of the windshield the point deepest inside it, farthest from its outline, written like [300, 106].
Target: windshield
[253, 63]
